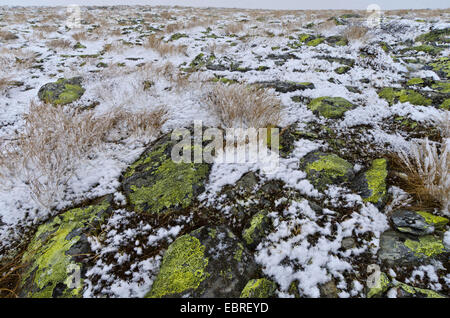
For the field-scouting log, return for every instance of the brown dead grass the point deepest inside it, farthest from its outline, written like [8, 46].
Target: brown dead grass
[242, 106]
[356, 33]
[163, 48]
[53, 142]
[59, 44]
[424, 172]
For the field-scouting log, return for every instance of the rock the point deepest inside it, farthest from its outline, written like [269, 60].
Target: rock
[323, 169]
[208, 262]
[441, 67]
[348, 243]
[328, 290]
[333, 59]
[406, 291]
[435, 36]
[398, 95]
[156, 184]
[286, 87]
[53, 261]
[417, 222]
[378, 286]
[342, 69]
[371, 185]
[336, 40]
[61, 92]
[259, 288]
[399, 248]
[330, 107]
[258, 227]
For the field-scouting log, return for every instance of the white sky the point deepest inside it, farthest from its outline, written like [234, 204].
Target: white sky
[261, 4]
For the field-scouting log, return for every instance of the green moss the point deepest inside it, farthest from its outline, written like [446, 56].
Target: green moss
[443, 87]
[415, 81]
[446, 104]
[173, 186]
[381, 286]
[376, 180]
[414, 290]
[183, 268]
[315, 42]
[330, 107]
[436, 221]
[255, 223]
[426, 246]
[392, 95]
[330, 169]
[50, 265]
[440, 35]
[429, 49]
[259, 288]
[442, 65]
[342, 69]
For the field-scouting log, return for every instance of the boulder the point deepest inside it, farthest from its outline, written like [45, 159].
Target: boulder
[61, 92]
[208, 262]
[53, 262]
[330, 107]
[324, 169]
[371, 184]
[156, 184]
[417, 222]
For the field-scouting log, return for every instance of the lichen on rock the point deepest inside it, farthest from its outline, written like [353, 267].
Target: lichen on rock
[61, 92]
[52, 259]
[330, 107]
[157, 184]
[323, 169]
[259, 288]
[372, 184]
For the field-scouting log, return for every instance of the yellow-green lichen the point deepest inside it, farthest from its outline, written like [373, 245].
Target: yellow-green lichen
[376, 180]
[255, 223]
[238, 253]
[415, 81]
[381, 285]
[259, 288]
[183, 268]
[173, 186]
[436, 221]
[332, 165]
[442, 65]
[414, 290]
[392, 95]
[315, 42]
[46, 258]
[330, 107]
[426, 246]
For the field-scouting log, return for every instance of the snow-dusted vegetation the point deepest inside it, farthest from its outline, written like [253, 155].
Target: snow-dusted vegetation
[92, 204]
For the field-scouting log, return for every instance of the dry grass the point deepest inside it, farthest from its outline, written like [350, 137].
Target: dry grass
[79, 36]
[234, 28]
[53, 142]
[242, 106]
[59, 44]
[163, 48]
[7, 36]
[356, 33]
[425, 172]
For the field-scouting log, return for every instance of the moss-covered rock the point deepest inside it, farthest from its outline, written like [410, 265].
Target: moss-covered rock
[429, 49]
[400, 248]
[323, 169]
[156, 184]
[395, 95]
[435, 36]
[208, 262]
[330, 107]
[342, 69]
[286, 86]
[53, 261]
[257, 229]
[61, 92]
[259, 288]
[371, 185]
[417, 222]
[379, 286]
[441, 66]
[406, 291]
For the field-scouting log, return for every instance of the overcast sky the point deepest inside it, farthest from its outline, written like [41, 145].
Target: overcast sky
[262, 4]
